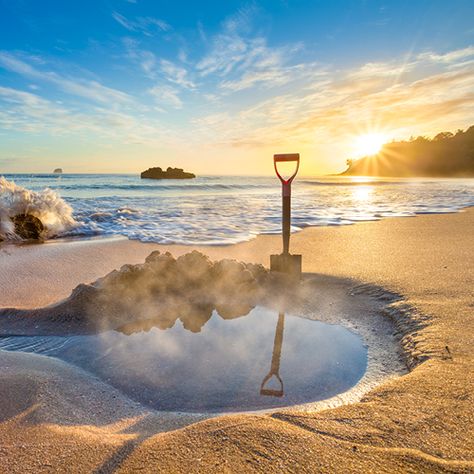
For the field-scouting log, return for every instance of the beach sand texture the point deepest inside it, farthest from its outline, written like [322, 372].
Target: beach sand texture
[54, 419]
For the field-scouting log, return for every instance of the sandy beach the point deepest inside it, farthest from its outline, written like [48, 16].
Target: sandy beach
[55, 419]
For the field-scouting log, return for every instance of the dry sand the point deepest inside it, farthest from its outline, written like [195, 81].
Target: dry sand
[421, 422]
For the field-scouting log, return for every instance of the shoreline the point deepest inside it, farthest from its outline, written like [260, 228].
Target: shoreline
[122, 250]
[134, 214]
[421, 421]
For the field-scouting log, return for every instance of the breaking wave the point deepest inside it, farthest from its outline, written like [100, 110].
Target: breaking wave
[46, 205]
[212, 210]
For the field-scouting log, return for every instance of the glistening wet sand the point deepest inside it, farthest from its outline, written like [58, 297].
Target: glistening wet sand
[420, 422]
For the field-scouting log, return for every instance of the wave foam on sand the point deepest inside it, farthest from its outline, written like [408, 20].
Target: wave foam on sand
[47, 206]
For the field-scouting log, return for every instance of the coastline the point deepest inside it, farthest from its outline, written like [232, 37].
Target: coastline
[422, 421]
[83, 260]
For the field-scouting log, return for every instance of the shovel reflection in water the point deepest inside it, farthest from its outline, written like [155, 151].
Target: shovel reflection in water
[275, 367]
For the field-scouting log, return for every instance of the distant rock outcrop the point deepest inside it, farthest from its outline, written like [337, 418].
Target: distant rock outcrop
[58, 171]
[170, 173]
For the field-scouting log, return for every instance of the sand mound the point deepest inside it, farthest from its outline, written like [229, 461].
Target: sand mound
[154, 293]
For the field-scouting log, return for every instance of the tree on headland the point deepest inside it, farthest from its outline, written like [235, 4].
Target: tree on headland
[446, 154]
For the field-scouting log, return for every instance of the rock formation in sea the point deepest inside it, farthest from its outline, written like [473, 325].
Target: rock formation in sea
[170, 173]
[58, 171]
[28, 227]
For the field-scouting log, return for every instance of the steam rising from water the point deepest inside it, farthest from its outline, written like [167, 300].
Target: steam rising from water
[220, 369]
[54, 213]
[155, 293]
[136, 310]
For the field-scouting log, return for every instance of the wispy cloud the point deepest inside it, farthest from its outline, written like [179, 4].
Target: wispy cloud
[235, 89]
[149, 26]
[229, 47]
[165, 95]
[339, 103]
[147, 60]
[244, 60]
[274, 76]
[449, 57]
[27, 112]
[176, 74]
[30, 113]
[156, 68]
[87, 89]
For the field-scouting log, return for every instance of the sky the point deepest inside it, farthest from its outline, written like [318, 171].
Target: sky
[117, 86]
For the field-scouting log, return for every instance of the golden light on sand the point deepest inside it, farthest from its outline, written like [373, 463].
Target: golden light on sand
[369, 144]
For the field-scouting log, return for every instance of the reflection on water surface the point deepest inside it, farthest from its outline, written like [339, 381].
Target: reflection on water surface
[211, 364]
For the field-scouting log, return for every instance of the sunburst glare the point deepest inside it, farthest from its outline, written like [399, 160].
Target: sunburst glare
[369, 143]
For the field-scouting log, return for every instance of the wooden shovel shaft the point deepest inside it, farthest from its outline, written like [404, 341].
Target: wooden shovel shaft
[286, 201]
[275, 368]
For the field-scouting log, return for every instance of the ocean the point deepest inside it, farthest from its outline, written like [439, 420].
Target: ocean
[214, 210]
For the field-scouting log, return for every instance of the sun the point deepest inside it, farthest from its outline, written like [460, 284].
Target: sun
[369, 144]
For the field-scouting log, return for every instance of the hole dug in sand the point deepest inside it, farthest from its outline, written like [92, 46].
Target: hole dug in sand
[193, 336]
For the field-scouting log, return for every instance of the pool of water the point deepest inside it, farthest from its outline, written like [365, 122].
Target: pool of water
[259, 361]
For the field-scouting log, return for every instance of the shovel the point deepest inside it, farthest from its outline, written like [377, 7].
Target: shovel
[275, 366]
[286, 262]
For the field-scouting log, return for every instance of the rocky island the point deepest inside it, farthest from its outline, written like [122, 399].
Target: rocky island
[170, 173]
[58, 171]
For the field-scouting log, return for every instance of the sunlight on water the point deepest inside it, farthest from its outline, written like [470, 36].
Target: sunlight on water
[219, 210]
[363, 193]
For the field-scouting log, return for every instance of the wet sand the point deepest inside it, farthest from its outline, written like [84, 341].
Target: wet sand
[421, 422]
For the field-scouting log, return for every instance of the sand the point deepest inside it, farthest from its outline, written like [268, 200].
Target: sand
[419, 422]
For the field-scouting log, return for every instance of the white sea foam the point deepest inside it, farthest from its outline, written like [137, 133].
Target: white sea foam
[46, 205]
[216, 210]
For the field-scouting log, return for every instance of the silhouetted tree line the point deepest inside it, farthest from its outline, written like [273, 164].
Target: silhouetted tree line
[447, 154]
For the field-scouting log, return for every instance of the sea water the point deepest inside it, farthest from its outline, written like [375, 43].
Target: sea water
[218, 209]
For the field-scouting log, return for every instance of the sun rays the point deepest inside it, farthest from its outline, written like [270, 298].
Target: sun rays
[370, 144]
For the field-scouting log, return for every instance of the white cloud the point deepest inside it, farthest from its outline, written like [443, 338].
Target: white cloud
[91, 90]
[176, 74]
[165, 95]
[281, 99]
[146, 25]
[123, 21]
[450, 57]
[274, 76]
[29, 113]
[156, 68]
[146, 59]
[333, 103]
[229, 47]
[244, 61]
[387, 69]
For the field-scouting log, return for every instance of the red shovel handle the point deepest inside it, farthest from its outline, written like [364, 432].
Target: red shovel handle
[286, 157]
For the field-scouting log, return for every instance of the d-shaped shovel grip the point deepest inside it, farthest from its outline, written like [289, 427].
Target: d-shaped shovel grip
[288, 157]
[270, 391]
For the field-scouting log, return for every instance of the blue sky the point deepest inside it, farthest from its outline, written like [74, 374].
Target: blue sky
[218, 87]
